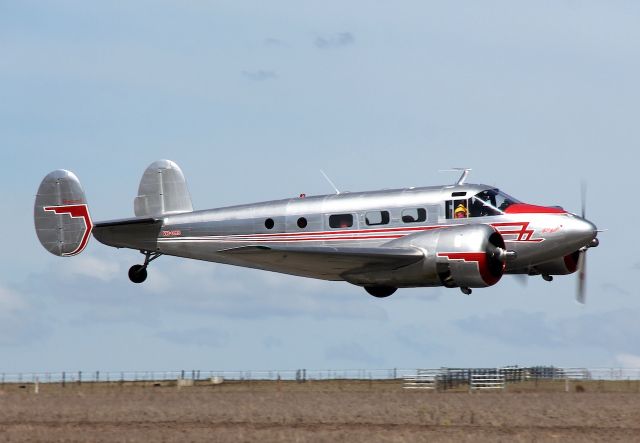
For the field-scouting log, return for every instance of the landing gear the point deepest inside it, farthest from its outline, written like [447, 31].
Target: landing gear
[465, 290]
[380, 291]
[547, 277]
[138, 273]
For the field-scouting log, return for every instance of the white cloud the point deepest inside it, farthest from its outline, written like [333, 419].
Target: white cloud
[206, 337]
[93, 267]
[215, 289]
[628, 360]
[418, 340]
[612, 331]
[10, 301]
[353, 353]
[19, 323]
[260, 75]
[339, 40]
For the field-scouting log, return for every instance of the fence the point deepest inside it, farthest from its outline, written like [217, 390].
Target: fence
[424, 379]
[300, 375]
[486, 381]
[446, 377]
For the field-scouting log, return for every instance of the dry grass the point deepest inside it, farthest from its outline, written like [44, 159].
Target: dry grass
[314, 411]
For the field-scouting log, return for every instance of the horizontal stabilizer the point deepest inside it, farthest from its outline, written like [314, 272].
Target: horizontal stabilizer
[163, 190]
[133, 233]
[61, 214]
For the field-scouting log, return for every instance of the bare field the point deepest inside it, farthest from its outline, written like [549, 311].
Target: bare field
[317, 411]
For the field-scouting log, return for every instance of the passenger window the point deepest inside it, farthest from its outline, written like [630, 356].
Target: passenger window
[341, 220]
[414, 215]
[374, 218]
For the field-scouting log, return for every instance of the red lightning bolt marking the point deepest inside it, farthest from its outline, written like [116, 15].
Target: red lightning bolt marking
[76, 211]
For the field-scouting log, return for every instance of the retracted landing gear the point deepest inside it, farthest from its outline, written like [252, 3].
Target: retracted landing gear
[465, 290]
[380, 291]
[138, 273]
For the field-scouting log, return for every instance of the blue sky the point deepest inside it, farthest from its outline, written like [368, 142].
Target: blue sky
[252, 99]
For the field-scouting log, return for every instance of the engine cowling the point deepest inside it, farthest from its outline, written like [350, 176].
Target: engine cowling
[559, 266]
[471, 256]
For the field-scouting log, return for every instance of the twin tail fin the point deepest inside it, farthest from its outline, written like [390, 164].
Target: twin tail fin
[61, 214]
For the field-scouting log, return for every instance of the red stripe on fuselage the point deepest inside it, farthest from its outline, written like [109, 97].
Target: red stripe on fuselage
[518, 229]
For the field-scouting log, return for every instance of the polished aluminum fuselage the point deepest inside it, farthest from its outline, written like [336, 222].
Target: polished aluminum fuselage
[208, 235]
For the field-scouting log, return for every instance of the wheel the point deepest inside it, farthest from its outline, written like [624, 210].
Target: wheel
[380, 291]
[137, 273]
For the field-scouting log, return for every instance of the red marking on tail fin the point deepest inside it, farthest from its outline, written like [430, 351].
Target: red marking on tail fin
[76, 211]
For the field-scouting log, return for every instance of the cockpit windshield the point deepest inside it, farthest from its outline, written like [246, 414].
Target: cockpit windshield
[490, 202]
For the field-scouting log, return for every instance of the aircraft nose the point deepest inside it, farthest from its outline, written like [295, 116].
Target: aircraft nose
[584, 232]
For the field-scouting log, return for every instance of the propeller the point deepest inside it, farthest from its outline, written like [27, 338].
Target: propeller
[581, 288]
[583, 198]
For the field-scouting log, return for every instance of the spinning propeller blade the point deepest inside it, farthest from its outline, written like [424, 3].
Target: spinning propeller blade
[582, 277]
[581, 289]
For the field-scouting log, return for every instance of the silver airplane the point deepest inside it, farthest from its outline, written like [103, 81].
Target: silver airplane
[458, 236]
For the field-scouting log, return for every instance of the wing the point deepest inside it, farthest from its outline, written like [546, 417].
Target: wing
[325, 262]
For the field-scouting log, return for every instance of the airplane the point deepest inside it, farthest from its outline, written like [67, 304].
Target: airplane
[458, 236]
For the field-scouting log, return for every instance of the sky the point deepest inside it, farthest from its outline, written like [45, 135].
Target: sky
[252, 99]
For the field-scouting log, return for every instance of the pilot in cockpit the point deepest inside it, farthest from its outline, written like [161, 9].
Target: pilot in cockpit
[460, 211]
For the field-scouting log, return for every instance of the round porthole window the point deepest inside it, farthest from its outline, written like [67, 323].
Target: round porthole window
[268, 223]
[302, 222]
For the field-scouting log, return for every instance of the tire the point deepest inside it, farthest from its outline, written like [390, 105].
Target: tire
[380, 291]
[137, 273]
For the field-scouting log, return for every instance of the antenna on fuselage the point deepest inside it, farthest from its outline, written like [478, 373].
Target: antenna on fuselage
[330, 182]
[463, 177]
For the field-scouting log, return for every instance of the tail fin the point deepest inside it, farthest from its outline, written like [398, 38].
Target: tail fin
[61, 214]
[163, 190]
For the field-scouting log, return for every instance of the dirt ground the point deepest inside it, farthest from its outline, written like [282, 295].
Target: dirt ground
[314, 412]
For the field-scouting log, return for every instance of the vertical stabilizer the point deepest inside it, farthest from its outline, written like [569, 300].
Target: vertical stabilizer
[163, 190]
[61, 214]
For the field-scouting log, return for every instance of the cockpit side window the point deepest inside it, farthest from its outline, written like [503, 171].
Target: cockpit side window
[457, 208]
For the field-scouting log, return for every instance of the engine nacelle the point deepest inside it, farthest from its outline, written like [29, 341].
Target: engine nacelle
[471, 256]
[559, 266]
